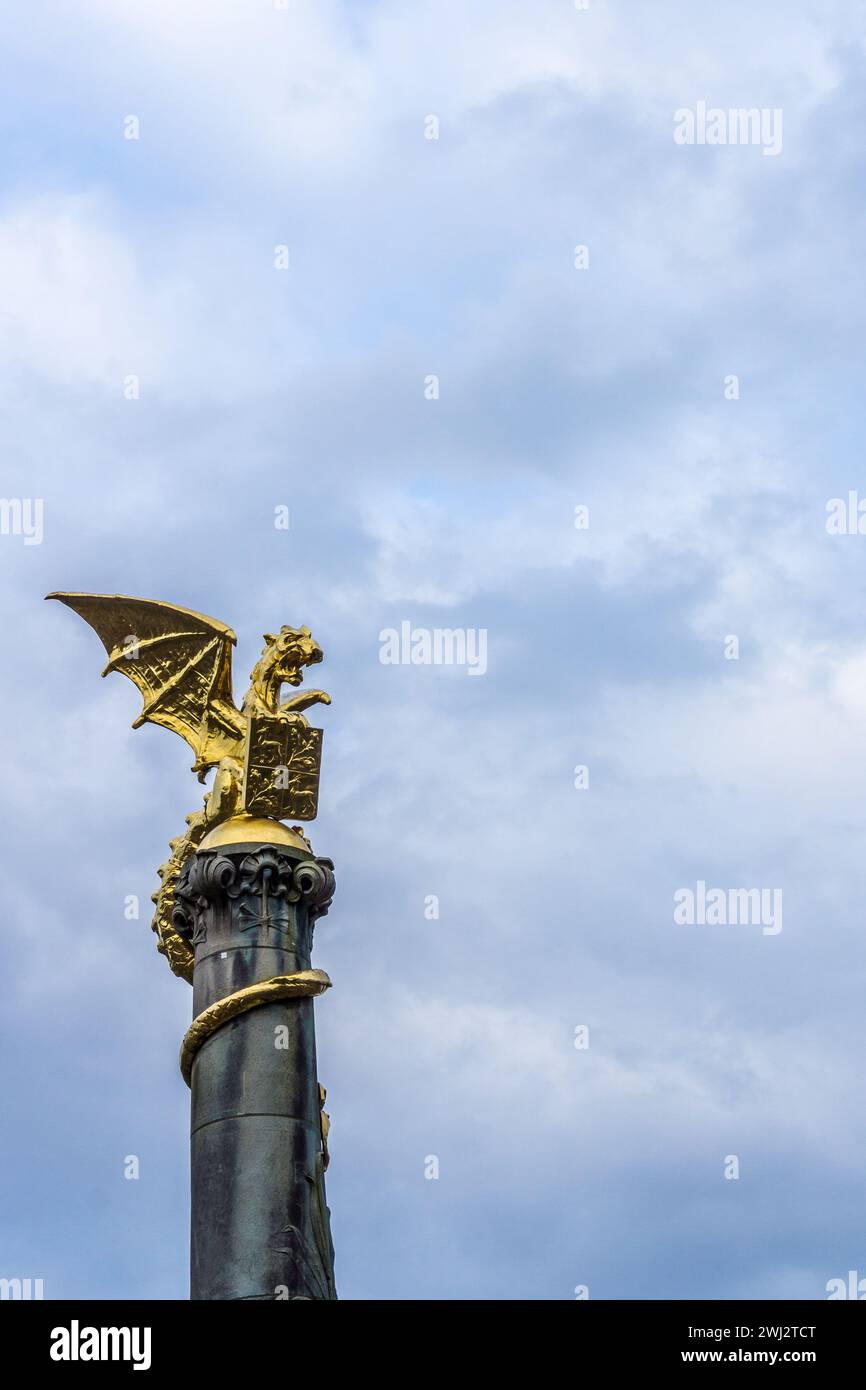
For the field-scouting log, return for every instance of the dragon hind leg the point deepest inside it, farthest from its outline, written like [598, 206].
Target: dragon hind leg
[223, 801]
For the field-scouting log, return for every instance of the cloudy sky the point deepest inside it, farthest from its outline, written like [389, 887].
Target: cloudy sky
[452, 504]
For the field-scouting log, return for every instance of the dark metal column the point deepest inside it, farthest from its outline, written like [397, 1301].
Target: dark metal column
[260, 1226]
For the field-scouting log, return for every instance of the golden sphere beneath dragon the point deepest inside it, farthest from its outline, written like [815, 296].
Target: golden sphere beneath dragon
[253, 830]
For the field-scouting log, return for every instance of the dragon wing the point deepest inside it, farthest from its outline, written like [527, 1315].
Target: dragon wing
[181, 662]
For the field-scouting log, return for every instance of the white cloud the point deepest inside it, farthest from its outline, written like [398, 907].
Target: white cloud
[305, 125]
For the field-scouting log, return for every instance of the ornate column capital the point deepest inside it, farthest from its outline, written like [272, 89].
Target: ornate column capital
[261, 887]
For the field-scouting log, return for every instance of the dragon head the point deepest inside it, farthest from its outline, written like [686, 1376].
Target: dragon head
[287, 652]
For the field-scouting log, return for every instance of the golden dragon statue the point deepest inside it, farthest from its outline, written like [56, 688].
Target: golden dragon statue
[266, 755]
